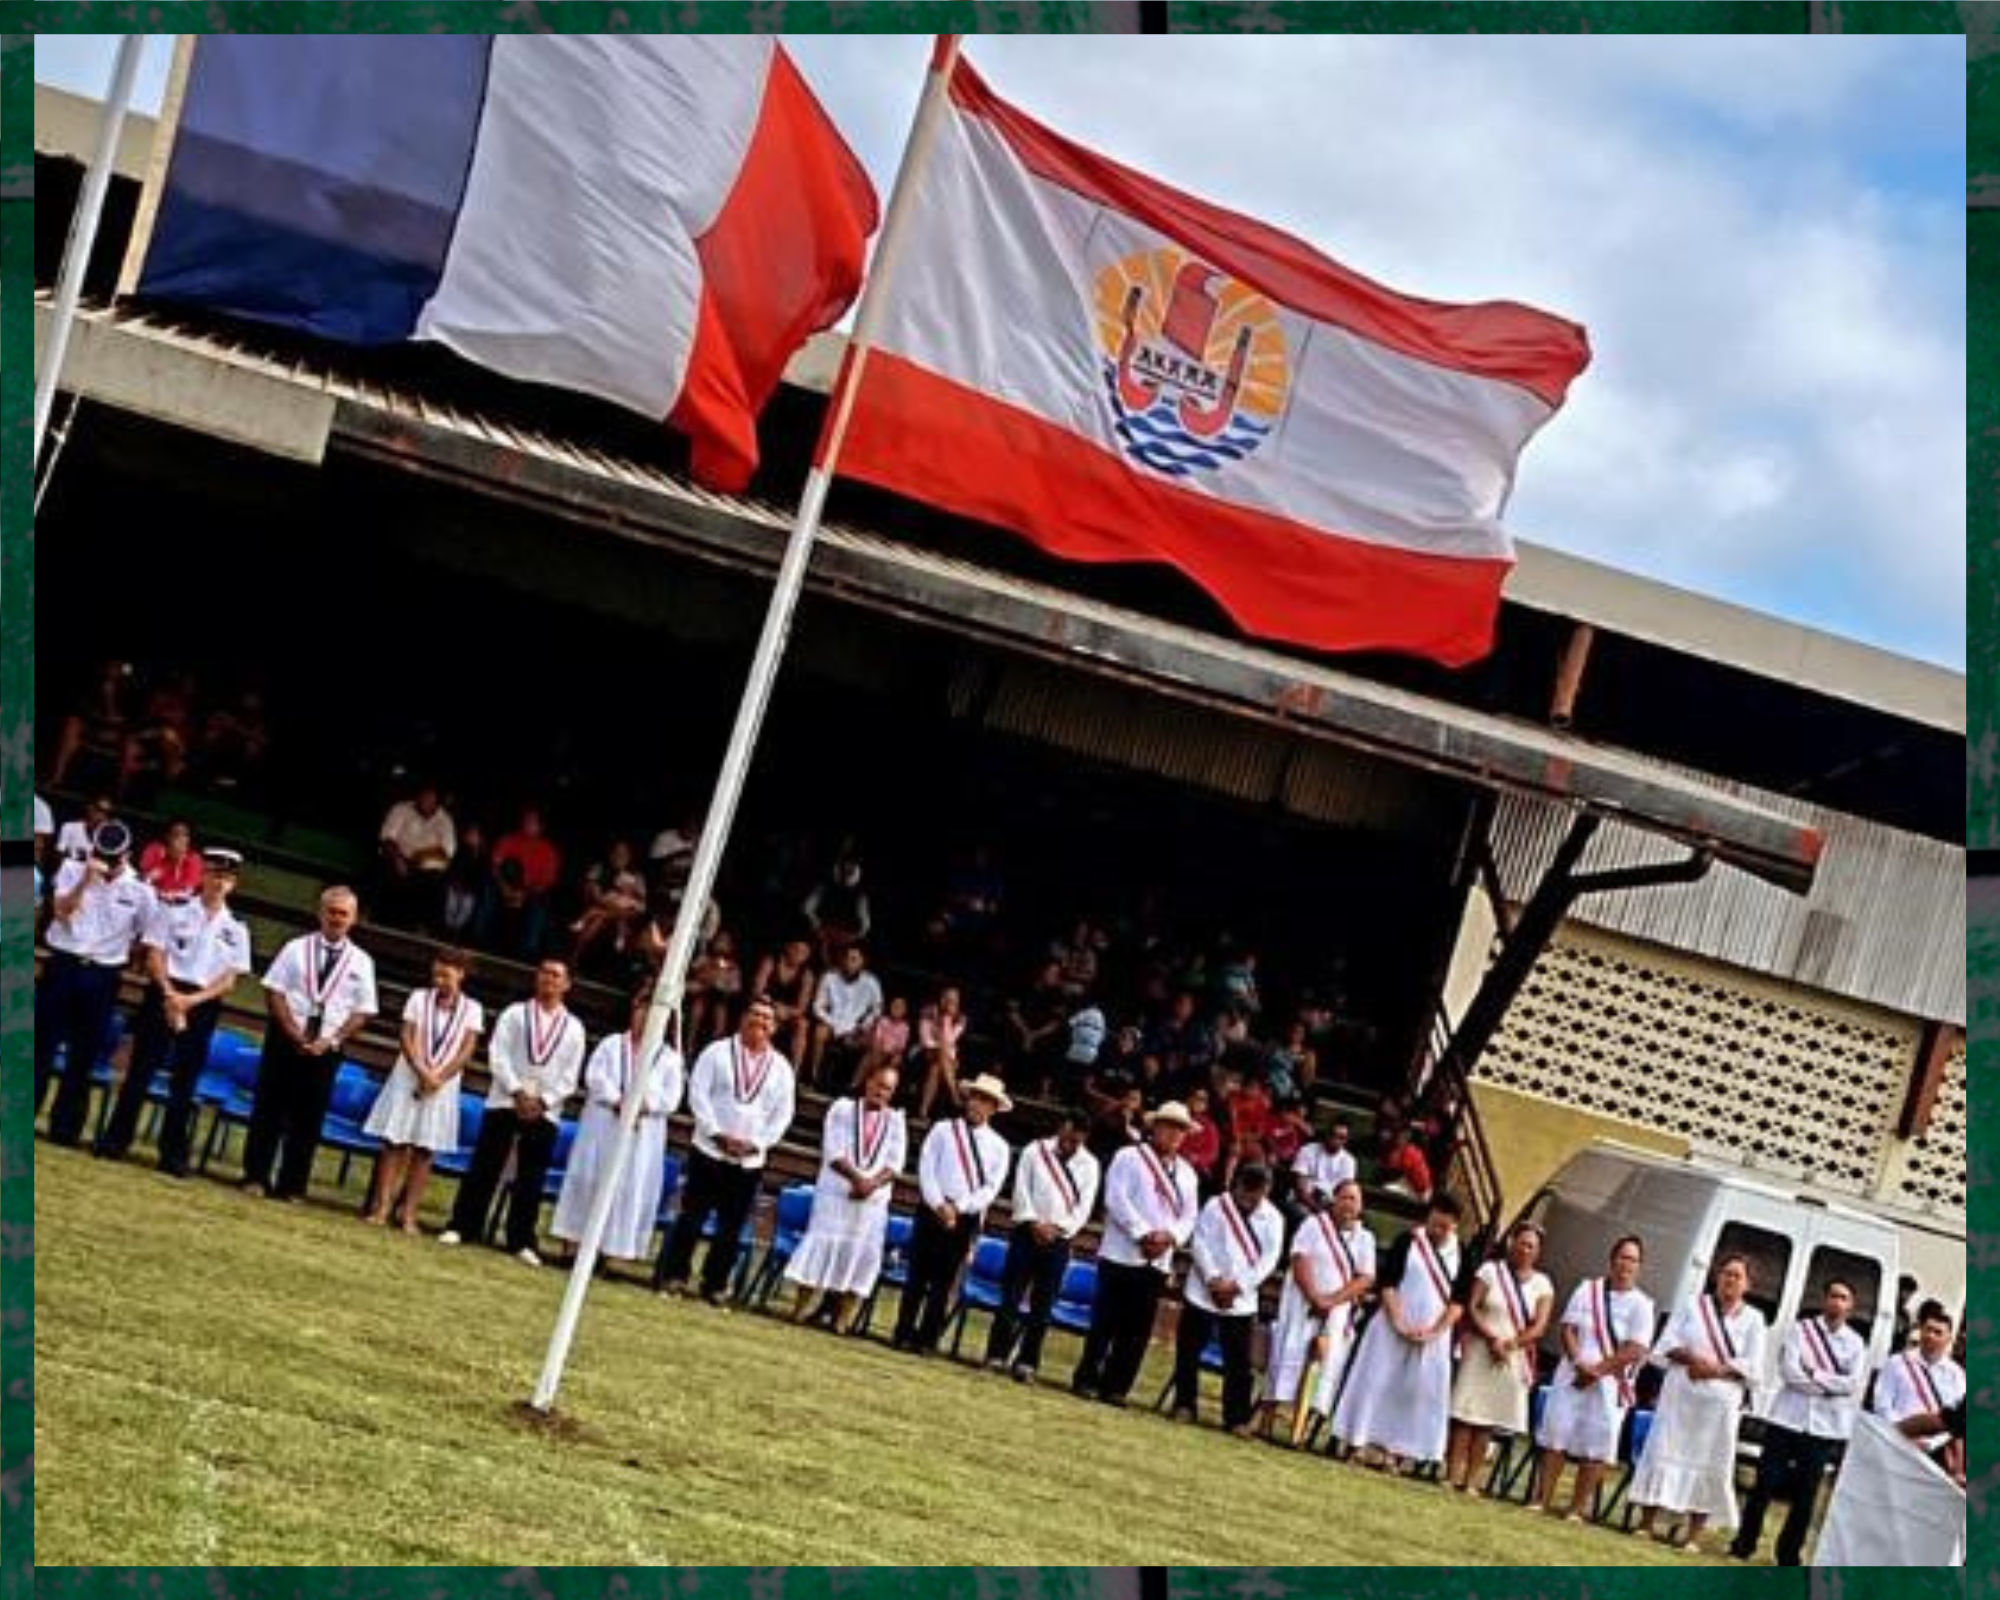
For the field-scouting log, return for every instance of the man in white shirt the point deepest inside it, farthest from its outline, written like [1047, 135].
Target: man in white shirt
[99, 906]
[1055, 1185]
[1319, 1168]
[1925, 1382]
[742, 1093]
[1238, 1239]
[845, 1006]
[1150, 1201]
[195, 952]
[961, 1169]
[320, 992]
[1822, 1367]
[418, 840]
[536, 1061]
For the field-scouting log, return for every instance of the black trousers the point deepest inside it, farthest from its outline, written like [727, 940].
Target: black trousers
[73, 1007]
[183, 1054]
[936, 1254]
[1191, 1338]
[1121, 1326]
[1035, 1270]
[1793, 1465]
[285, 1114]
[728, 1191]
[501, 1130]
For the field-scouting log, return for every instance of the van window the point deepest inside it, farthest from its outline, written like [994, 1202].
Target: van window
[1864, 1272]
[1769, 1255]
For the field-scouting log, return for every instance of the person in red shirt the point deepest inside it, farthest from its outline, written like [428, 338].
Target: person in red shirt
[1404, 1169]
[526, 866]
[1291, 1131]
[170, 866]
[1202, 1148]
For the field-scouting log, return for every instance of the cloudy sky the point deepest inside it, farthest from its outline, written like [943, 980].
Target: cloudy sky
[1764, 236]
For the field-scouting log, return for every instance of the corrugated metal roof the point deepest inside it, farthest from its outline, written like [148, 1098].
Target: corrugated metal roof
[646, 502]
[1884, 921]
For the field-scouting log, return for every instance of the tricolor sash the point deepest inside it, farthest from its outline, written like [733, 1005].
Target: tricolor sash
[1163, 1183]
[1600, 1307]
[1059, 1173]
[969, 1159]
[867, 1148]
[542, 1045]
[1926, 1387]
[1516, 1302]
[1244, 1235]
[1716, 1326]
[1426, 1252]
[1343, 1259]
[325, 967]
[1813, 1340]
[747, 1074]
[441, 1043]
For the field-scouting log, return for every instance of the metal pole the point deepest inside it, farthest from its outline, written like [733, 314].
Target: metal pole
[83, 230]
[729, 781]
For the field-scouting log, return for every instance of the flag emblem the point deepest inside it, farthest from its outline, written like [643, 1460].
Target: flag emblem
[1196, 370]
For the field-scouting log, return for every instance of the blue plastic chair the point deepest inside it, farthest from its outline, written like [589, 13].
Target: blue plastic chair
[354, 1091]
[795, 1206]
[471, 1113]
[234, 1078]
[979, 1289]
[1211, 1361]
[895, 1265]
[1076, 1297]
[1638, 1428]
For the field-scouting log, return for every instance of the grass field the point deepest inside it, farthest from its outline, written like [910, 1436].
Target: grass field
[226, 1381]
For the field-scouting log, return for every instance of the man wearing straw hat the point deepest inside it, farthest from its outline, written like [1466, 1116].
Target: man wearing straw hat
[1150, 1204]
[961, 1169]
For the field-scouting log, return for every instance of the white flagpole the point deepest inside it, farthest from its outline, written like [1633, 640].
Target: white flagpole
[83, 230]
[667, 994]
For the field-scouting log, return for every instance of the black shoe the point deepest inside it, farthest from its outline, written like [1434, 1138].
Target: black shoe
[105, 1152]
[1115, 1401]
[173, 1171]
[1083, 1391]
[1739, 1552]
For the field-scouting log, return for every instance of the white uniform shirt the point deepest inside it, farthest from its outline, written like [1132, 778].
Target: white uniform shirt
[870, 1143]
[1909, 1386]
[1334, 1259]
[1323, 1169]
[1822, 1373]
[747, 1097]
[1603, 1321]
[440, 1033]
[1227, 1244]
[608, 1078]
[534, 1050]
[109, 918]
[845, 1004]
[73, 840]
[1142, 1195]
[962, 1166]
[413, 833]
[199, 946]
[1048, 1189]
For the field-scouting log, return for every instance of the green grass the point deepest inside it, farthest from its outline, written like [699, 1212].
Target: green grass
[220, 1380]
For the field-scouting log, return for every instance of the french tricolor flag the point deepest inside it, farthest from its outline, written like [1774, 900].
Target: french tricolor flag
[657, 221]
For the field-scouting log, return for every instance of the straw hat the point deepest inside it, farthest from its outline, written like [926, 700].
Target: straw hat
[992, 1088]
[1174, 1112]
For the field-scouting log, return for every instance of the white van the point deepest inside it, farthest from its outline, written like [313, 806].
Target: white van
[1689, 1214]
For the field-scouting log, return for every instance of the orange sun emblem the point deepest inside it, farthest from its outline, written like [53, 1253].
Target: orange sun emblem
[1194, 363]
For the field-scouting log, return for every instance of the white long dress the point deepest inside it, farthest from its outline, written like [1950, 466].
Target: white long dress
[1689, 1463]
[1298, 1324]
[842, 1250]
[1585, 1422]
[1398, 1395]
[628, 1231]
[428, 1121]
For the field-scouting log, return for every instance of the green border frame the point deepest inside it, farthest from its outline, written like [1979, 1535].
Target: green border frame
[1981, 25]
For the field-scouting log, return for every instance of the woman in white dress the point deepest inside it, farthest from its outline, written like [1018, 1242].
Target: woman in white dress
[1333, 1269]
[1508, 1312]
[1712, 1351]
[862, 1147]
[1397, 1397]
[1606, 1332]
[608, 1078]
[416, 1113]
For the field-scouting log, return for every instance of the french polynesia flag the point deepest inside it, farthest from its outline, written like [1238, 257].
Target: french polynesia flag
[658, 221]
[1121, 372]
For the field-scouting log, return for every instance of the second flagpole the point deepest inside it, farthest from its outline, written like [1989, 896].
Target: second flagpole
[667, 993]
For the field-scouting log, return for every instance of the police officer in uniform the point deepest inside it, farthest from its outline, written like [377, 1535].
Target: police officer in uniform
[98, 908]
[195, 951]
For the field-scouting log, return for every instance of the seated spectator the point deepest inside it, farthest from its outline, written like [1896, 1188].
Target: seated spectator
[614, 900]
[1405, 1171]
[715, 984]
[465, 883]
[1076, 961]
[417, 841]
[1123, 1052]
[1185, 1044]
[973, 895]
[1252, 1115]
[1290, 1131]
[74, 836]
[527, 866]
[170, 866]
[1293, 1067]
[1034, 1025]
[940, 1027]
[787, 977]
[1087, 1028]
[98, 723]
[670, 857]
[233, 743]
[1236, 983]
[845, 1006]
[888, 1040]
[157, 745]
[1202, 1148]
[1119, 1123]
[837, 910]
